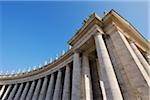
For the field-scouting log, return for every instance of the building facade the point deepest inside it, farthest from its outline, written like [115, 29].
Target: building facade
[108, 60]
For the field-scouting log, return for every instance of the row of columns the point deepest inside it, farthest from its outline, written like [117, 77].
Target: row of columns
[24, 93]
[52, 90]
[106, 69]
[106, 72]
[43, 89]
[39, 91]
[108, 77]
[6, 93]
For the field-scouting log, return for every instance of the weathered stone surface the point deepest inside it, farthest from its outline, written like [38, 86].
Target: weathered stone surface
[76, 77]
[25, 90]
[87, 79]
[50, 90]
[67, 84]
[58, 90]
[110, 83]
[37, 90]
[43, 89]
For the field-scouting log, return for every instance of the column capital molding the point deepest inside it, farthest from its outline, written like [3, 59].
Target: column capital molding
[111, 28]
[76, 51]
[98, 31]
[131, 41]
[67, 65]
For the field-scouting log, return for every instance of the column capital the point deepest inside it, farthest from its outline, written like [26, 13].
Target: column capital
[112, 28]
[67, 65]
[76, 51]
[131, 41]
[98, 31]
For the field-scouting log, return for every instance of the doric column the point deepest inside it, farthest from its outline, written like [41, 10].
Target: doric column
[30, 93]
[76, 77]
[66, 89]
[6, 93]
[111, 85]
[24, 91]
[12, 93]
[141, 58]
[49, 94]
[37, 90]
[43, 90]
[1, 91]
[18, 92]
[57, 91]
[87, 79]
[133, 69]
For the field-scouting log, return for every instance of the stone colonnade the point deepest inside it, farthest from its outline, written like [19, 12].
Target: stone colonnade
[75, 80]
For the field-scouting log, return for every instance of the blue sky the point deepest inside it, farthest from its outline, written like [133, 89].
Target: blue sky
[32, 32]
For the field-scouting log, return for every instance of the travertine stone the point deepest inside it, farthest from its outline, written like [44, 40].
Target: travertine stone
[119, 70]
[76, 77]
[43, 89]
[5, 96]
[101, 81]
[140, 57]
[136, 74]
[37, 90]
[57, 91]
[111, 85]
[24, 93]
[66, 89]
[87, 79]
[12, 94]
[18, 92]
[1, 91]
[50, 90]
[31, 90]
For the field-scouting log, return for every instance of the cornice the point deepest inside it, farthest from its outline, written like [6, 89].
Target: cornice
[127, 29]
[93, 19]
[42, 72]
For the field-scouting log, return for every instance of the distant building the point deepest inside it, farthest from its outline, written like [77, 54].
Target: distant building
[108, 60]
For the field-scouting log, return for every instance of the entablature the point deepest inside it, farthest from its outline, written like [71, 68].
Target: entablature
[113, 19]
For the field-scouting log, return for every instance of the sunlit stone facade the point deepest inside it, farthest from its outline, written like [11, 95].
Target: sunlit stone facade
[109, 60]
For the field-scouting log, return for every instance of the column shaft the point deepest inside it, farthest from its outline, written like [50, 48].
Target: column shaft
[7, 92]
[23, 95]
[43, 90]
[87, 79]
[119, 70]
[37, 90]
[133, 69]
[66, 89]
[30, 93]
[76, 77]
[1, 91]
[141, 58]
[57, 91]
[111, 85]
[49, 94]
[12, 93]
[97, 89]
[18, 92]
